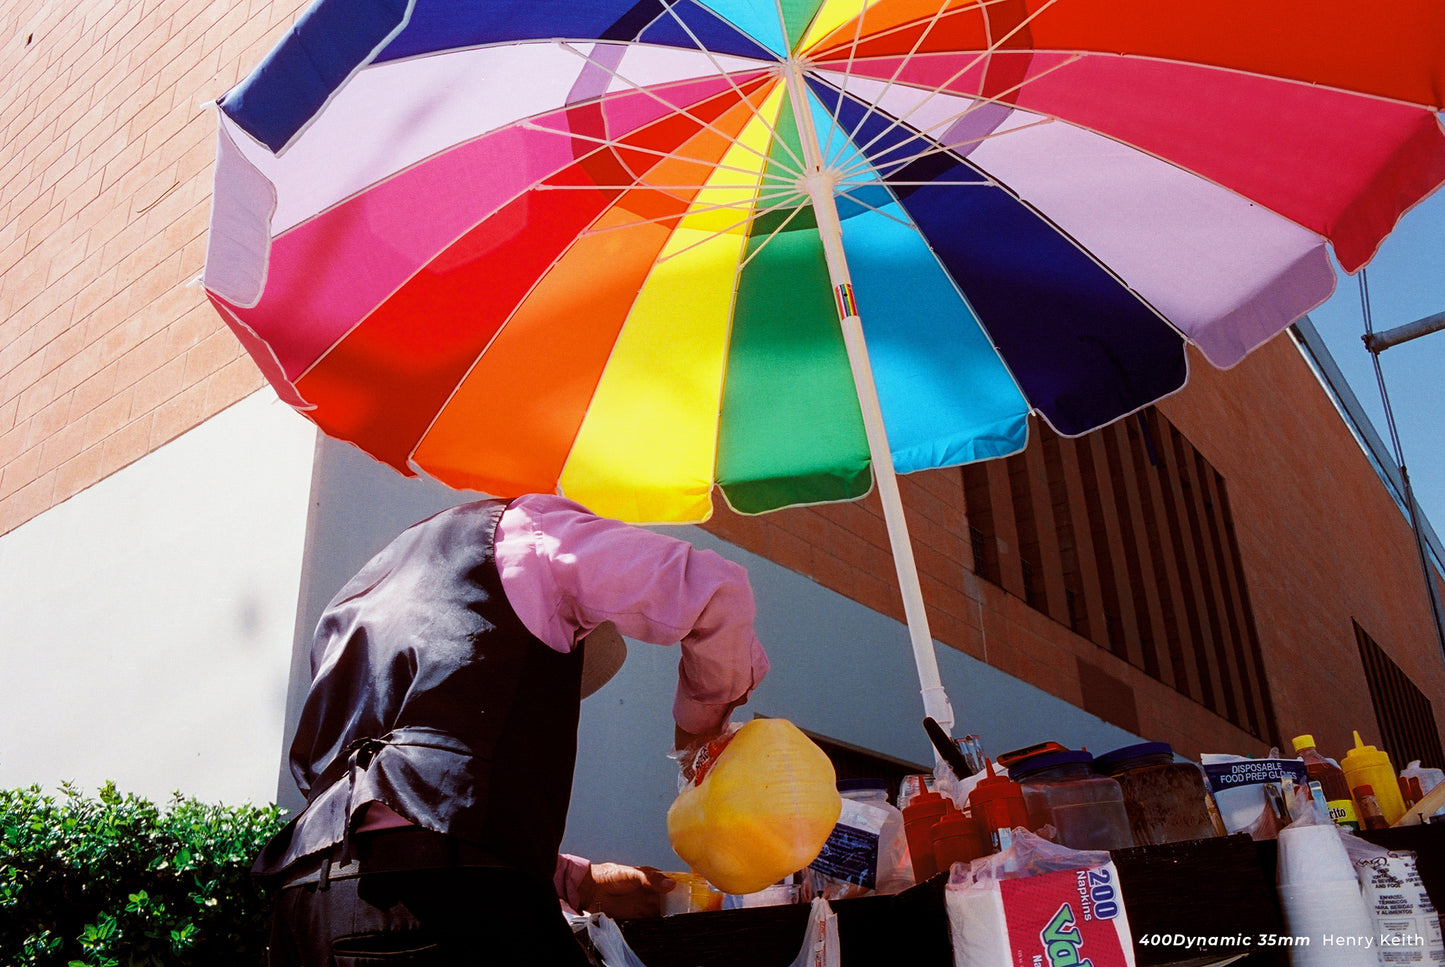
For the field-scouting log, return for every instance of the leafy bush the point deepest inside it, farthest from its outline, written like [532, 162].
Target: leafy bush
[115, 881]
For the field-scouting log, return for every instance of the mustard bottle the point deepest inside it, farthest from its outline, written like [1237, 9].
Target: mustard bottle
[1365, 765]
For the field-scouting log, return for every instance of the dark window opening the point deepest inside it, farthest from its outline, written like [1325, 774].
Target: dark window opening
[982, 536]
[852, 762]
[1128, 532]
[1406, 717]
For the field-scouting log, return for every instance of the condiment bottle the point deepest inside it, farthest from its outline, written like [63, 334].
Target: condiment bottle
[919, 816]
[1410, 791]
[998, 804]
[1371, 816]
[1166, 800]
[956, 839]
[1340, 806]
[1062, 790]
[1365, 765]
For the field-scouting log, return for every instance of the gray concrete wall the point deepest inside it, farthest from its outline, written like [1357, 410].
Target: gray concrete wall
[839, 670]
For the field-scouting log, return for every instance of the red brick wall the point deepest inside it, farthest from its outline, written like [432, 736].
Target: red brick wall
[106, 145]
[1322, 545]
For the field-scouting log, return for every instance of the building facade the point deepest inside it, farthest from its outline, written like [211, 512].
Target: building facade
[1222, 571]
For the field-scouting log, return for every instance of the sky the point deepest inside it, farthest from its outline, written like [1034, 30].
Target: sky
[1406, 282]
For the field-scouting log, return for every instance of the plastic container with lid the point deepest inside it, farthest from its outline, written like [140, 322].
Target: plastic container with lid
[1365, 765]
[1062, 790]
[1167, 800]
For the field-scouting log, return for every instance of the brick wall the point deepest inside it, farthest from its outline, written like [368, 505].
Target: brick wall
[1321, 542]
[106, 145]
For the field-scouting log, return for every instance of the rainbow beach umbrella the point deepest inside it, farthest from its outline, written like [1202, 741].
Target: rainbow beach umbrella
[644, 251]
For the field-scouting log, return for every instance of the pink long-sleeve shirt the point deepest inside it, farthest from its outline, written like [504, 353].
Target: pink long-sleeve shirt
[565, 571]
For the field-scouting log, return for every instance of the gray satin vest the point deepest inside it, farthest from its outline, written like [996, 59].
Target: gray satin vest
[428, 694]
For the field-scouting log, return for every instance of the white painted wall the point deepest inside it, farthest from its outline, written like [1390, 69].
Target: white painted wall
[146, 624]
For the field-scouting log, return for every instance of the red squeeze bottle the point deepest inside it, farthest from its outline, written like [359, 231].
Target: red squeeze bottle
[998, 803]
[922, 812]
[957, 838]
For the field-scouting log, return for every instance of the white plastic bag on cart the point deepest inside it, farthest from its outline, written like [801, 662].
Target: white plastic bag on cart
[819, 948]
[606, 938]
[820, 941]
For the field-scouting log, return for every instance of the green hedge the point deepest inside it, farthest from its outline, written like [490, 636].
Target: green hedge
[115, 881]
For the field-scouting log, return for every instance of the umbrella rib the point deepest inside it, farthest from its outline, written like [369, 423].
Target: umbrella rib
[978, 101]
[1046, 118]
[852, 52]
[848, 194]
[626, 146]
[909, 25]
[708, 53]
[748, 220]
[935, 148]
[753, 214]
[776, 190]
[834, 120]
[680, 112]
[765, 239]
[975, 104]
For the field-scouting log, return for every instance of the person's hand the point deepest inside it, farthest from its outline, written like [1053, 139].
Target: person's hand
[696, 752]
[625, 892]
[683, 740]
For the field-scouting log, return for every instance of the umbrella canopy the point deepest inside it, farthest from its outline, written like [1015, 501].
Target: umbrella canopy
[603, 247]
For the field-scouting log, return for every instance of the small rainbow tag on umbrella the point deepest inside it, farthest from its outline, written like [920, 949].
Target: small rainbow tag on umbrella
[847, 305]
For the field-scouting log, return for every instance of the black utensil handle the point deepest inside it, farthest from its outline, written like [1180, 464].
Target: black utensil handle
[947, 748]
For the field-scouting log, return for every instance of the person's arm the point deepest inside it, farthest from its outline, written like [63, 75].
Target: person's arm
[565, 571]
[567, 879]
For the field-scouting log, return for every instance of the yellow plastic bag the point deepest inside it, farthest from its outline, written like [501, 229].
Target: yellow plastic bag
[761, 811]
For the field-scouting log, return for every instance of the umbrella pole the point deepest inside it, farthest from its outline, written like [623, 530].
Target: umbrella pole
[819, 183]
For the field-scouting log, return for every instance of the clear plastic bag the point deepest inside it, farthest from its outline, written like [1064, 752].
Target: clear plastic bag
[867, 852]
[606, 938]
[1405, 922]
[1038, 899]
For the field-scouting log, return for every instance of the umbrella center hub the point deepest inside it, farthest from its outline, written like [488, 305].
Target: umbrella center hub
[819, 180]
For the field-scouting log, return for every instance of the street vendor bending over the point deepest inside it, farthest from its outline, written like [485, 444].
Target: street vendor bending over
[437, 742]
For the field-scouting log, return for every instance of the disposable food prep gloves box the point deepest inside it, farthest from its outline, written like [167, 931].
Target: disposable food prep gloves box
[1038, 904]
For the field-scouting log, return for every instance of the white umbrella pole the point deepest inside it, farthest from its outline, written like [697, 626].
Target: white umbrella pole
[819, 184]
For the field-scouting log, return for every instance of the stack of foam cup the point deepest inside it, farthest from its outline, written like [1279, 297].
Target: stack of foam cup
[1321, 899]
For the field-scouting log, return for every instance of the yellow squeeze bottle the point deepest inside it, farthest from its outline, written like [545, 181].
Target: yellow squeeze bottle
[1365, 765]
